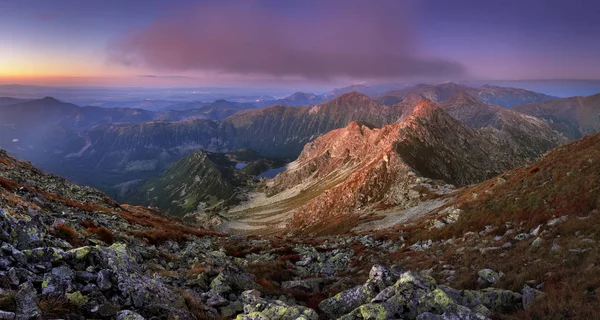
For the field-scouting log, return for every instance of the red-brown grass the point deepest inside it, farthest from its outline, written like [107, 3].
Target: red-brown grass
[8, 184]
[66, 233]
[194, 305]
[195, 270]
[157, 236]
[88, 224]
[290, 257]
[54, 306]
[103, 234]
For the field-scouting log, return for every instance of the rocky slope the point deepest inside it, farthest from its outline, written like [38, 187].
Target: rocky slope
[536, 225]
[344, 173]
[70, 252]
[501, 96]
[574, 117]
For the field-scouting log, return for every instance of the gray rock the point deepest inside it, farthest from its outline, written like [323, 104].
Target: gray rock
[537, 242]
[26, 302]
[103, 279]
[230, 310]
[85, 277]
[313, 285]
[256, 307]
[129, 315]
[348, 300]
[489, 276]
[530, 295]
[556, 221]
[58, 280]
[5, 315]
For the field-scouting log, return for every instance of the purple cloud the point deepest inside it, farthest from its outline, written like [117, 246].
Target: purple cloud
[313, 39]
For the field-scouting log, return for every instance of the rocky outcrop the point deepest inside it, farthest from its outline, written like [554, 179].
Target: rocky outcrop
[409, 295]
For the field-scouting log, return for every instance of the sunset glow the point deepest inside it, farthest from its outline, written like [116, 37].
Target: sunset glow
[112, 42]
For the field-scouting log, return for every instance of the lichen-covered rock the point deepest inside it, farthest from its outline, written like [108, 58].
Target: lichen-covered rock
[5, 315]
[488, 276]
[256, 308]
[58, 280]
[129, 315]
[26, 303]
[417, 296]
[133, 284]
[496, 300]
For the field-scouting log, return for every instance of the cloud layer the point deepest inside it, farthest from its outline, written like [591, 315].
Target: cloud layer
[312, 39]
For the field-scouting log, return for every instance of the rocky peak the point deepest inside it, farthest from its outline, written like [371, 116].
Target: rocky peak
[425, 109]
[352, 98]
[302, 96]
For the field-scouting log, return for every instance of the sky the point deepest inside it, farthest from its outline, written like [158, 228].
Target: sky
[290, 43]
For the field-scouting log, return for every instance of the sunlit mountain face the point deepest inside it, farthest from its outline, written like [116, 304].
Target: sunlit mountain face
[340, 159]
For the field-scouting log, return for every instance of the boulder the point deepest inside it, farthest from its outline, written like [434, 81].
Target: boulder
[26, 303]
[488, 276]
[256, 307]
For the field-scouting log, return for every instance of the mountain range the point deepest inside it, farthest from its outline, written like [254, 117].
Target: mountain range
[352, 169]
[574, 117]
[501, 96]
[95, 140]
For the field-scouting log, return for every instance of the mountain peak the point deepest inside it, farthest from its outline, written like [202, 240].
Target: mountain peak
[302, 96]
[353, 97]
[49, 100]
[425, 109]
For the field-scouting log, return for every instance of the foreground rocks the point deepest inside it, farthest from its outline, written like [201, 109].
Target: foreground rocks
[388, 295]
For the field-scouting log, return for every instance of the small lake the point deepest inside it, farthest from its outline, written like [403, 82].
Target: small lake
[271, 173]
[240, 165]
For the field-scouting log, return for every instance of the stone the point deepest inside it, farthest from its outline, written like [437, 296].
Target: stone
[5, 315]
[535, 232]
[530, 295]
[76, 298]
[58, 280]
[348, 300]
[537, 242]
[129, 315]
[26, 303]
[556, 221]
[256, 307]
[103, 279]
[489, 276]
[312, 285]
[231, 309]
